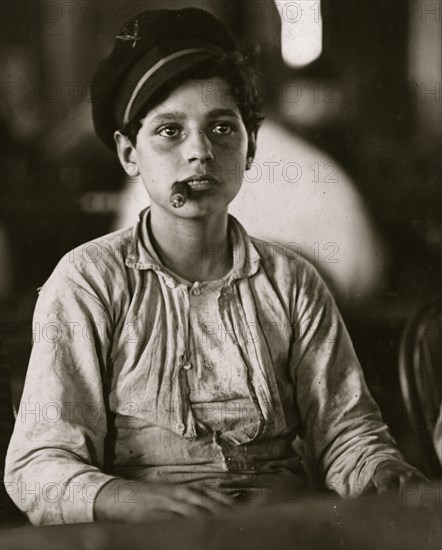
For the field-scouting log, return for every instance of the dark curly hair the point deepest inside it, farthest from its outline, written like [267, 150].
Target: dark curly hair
[244, 81]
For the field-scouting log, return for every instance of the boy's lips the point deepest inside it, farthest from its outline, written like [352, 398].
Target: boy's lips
[201, 182]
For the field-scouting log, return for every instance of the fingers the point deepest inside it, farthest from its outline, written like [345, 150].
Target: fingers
[388, 485]
[393, 477]
[369, 489]
[187, 509]
[208, 497]
[183, 500]
[419, 477]
[390, 480]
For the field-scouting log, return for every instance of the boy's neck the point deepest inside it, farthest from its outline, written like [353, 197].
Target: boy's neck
[193, 249]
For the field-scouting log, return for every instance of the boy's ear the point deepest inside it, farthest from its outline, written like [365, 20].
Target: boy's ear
[127, 154]
[251, 149]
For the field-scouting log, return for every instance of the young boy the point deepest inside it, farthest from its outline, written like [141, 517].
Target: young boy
[178, 361]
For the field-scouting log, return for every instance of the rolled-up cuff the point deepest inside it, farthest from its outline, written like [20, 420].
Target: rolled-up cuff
[80, 495]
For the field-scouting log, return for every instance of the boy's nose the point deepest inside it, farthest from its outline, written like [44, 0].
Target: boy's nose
[199, 148]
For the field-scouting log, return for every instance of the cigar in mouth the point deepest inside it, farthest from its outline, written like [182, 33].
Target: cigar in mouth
[179, 193]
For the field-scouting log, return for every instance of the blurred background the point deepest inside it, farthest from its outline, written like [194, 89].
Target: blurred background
[348, 170]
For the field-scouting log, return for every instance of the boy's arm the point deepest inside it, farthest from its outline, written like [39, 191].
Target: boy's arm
[342, 427]
[54, 461]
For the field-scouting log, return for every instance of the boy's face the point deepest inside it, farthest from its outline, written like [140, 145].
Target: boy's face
[197, 132]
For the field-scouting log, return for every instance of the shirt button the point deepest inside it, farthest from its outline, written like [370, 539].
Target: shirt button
[170, 282]
[187, 365]
[196, 291]
[180, 427]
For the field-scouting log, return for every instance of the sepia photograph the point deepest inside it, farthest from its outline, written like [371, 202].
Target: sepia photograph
[220, 275]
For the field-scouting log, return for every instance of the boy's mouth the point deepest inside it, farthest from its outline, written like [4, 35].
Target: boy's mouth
[196, 183]
[200, 182]
[199, 185]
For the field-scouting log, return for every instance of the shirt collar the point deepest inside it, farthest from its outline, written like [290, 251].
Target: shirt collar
[141, 253]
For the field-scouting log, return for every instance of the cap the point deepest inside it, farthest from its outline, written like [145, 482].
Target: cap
[149, 51]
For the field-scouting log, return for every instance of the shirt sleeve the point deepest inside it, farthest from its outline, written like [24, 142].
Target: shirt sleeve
[55, 458]
[341, 424]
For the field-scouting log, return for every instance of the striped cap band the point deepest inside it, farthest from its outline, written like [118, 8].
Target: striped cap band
[152, 70]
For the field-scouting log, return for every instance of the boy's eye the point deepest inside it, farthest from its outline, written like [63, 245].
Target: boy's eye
[168, 131]
[223, 128]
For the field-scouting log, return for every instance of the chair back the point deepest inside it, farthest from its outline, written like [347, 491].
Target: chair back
[420, 374]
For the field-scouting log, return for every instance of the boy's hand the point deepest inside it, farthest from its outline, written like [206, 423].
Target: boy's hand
[393, 476]
[135, 501]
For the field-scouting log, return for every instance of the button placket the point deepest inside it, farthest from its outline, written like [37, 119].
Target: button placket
[184, 365]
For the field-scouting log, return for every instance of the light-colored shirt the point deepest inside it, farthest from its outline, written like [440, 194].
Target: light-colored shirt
[138, 374]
